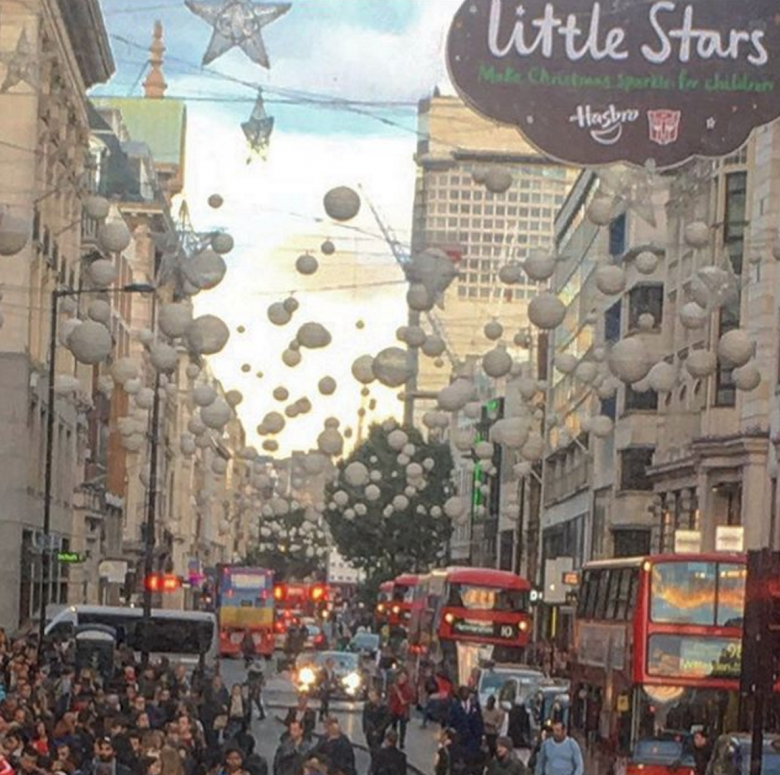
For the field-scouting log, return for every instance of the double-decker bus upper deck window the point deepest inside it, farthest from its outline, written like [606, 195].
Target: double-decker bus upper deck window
[487, 598]
[602, 594]
[593, 593]
[731, 594]
[624, 594]
[683, 593]
[632, 595]
[585, 591]
[612, 595]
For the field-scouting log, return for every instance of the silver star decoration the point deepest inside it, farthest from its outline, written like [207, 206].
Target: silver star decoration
[259, 127]
[631, 189]
[238, 23]
[21, 65]
[711, 123]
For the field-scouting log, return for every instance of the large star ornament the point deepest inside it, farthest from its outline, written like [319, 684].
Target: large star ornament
[238, 23]
[21, 65]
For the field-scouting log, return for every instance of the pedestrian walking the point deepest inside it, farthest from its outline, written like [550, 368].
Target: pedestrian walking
[327, 685]
[255, 678]
[303, 714]
[376, 720]
[493, 718]
[505, 762]
[559, 754]
[401, 699]
[292, 752]
[336, 750]
[389, 760]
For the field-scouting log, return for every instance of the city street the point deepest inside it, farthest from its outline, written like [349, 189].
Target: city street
[279, 696]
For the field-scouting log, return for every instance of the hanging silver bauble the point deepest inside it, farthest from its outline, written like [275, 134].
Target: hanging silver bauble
[455, 507]
[216, 415]
[610, 279]
[15, 233]
[280, 393]
[433, 346]
[113, 237]
[546, 311]
[600, 211]
[205, 270]
[90, 342]
[601, 426]
[207, 335]
[342, 203]
[511, 273]
[646, 321]
[291, 358]
[144, 398]
[662, 377]
[646, 262]
[306, 264]
[701, 363]
[163, 357]
[693, 316]
[533, 449]
[102, 273]
[392, 367]
[222, 243]
[327, 248]
[216, 201]
[97, 208]
[175, 318]
[99, 311]
[493, 330]
[418, 298]
[313, 336]
[327, 386]
[456, 395]
[124, 369]
[628, 360]
[566, 363]
[204, 395]
[497, 362]
[747, 377]
[356, 474]
[278, 314]
[540, 265]
[735, 348]
[697, 234]
[498, 180]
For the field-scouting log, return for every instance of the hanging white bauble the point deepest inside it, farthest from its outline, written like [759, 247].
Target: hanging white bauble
[356, 474]
[327, 386]
[397, 439]
[330, 442]
[747, 377]
[64, 384]
[163, 357]
[219, 466]
[247, 453]
[313, 336]
[484, 450]
[207, 335]
[222, 243]
[328, 248]
[175, 318]
[473, 410]
[511, 273]
[187, 444]
[400, 503]
[99, 311]
[735, 348]
[533, 449]
[205, 270]
[511, 432]
[522, 339]
[455, 507]
[216, 201]
[610, 279]
[414, 336]
[418, 298]
[662, 377]
[105, 384]
[278, 314]
[456, 395]
[113, 237]
[90, 342]
[433, 420]
[646, 262]
[586, 372]
[697, 234]
[414, 471]
[566, 363]
[15, 233]
[146, 337]
[340, 498]
[306, 264]
[628, 360]
[693, 316]
[402, 460]
[372, 493]
[498, 180]
[216, 415]
[409, 449]
[646, 321]
[124, 369]
[497, 362]
[196, 426]
[204, 395]
[600, 210]
[291, 358]
[362, 369]
[274, 423]
[701, 363]
[342, 203]
[493, 330]
[132, 386]
[271, 445]
[97, 208]
[546, 311]
[527, 387]
[540, 265]
[133, 443]
[144, 398]
[433, 346]
[607, 389]
[601, 426]
[392, 367]
[280, 393]
[102, 273]
[713, 287]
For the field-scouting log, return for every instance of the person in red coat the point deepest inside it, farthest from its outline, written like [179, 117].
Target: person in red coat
[400, 699]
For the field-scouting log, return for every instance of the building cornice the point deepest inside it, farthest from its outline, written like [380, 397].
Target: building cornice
[86, 29]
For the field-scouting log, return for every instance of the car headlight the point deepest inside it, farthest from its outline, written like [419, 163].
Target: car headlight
[352, 681]
[307, 676]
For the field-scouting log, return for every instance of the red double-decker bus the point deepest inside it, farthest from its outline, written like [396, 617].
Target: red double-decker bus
[295, 602]
[461, 616]
[403, 595]
[657, 647]
[384, 600]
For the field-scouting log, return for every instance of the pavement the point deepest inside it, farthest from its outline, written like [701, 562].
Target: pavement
[279, 695]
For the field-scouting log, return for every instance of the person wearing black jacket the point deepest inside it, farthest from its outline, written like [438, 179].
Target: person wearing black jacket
[336, 749]
[376, 720]
[303, 714]
[388, 759]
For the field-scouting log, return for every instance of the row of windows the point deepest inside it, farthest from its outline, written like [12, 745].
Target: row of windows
[501, 211]
[436, 236]
[488, 224]
[608, 593]
[540, 198]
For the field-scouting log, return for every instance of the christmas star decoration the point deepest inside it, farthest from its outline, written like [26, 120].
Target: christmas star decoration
[631, 189]
[259, 127]
[21, 65]
[238, 23]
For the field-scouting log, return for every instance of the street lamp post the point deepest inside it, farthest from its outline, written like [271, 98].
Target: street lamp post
[46, 556]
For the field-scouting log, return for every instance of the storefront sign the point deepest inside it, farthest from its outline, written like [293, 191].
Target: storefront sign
[597, 82]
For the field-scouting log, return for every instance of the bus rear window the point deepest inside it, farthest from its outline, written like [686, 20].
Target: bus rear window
[478, 598]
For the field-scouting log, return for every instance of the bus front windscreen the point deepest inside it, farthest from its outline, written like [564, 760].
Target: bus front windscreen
[478, 598]
[699, 593]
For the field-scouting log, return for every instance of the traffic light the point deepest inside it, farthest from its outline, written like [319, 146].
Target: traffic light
[162, 582]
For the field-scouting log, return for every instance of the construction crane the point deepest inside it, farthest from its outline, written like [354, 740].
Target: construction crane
[404, 259]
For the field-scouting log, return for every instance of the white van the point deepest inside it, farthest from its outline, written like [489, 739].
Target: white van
[181, 636]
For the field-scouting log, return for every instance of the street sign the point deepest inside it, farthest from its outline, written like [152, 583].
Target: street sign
[71, 558]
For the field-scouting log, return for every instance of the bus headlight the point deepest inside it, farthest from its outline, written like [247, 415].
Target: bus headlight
[449, 618]
[307, 676]
[523, 626]
[352, 682]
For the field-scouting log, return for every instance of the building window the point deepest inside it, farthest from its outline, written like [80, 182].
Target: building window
[735, 218]
[609, 407]
[599, 524]
[634, 462]
[612, 323]
[631, 543]
[645, 299]
[645, 401]
[617, 236]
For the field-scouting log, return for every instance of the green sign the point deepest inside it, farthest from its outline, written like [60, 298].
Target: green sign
[71, 558]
